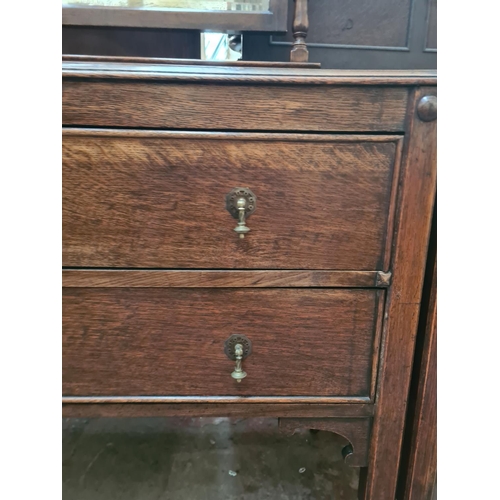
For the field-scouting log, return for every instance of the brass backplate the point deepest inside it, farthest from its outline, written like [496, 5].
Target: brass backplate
[232, 201]
[231, 342]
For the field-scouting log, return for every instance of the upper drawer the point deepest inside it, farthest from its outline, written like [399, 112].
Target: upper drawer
[140, 104]
[157, 200]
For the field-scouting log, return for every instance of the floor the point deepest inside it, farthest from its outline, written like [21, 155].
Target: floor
[201, 459]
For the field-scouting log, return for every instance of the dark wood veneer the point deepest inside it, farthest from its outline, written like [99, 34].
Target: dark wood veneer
[189, 62]
[178, 106]
[156, 200]
[418, 475]
[224, 279]
[151, 341]
[332, 320]
[74, 408]
[403, 300]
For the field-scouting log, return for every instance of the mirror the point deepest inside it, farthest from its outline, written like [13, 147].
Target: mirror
[207, 5]
[229, 16]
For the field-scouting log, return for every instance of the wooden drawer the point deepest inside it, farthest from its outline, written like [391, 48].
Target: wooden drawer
[157, 200]
[170, 341]
[154, 98]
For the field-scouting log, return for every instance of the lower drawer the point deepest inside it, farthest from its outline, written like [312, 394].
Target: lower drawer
[170, 341]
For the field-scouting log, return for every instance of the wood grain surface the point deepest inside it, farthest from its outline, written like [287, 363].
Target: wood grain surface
[418, 476]
[217, 279]
[190, 62]
[363, 23]
[141, 202]
[157, 200]
[89, 410]
[256, 75]
[133, 342]
[224, 400]
[136, 104]
[403, 301]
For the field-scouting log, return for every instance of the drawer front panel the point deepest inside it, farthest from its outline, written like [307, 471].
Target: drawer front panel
[170, 342]
[157, 200]
[233, 107]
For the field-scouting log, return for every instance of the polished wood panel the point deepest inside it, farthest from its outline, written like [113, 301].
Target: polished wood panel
[190, 106]
[226, 400]
[230, 74]
[121, 342]
[178, 61]
[225, 279]
[431, 40]
[403, 301]
[88, 410]
[382, 23]
[156, 200]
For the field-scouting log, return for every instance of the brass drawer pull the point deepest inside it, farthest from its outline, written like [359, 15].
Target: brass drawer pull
[241, 203]
[237, 348]
[238, 373]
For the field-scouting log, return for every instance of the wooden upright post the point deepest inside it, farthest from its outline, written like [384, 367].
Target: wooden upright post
[300, 27]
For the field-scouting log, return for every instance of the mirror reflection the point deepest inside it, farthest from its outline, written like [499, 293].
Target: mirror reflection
[208, 5]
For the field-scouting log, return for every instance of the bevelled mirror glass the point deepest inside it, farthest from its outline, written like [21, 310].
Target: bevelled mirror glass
[203, 15]
[208, 5]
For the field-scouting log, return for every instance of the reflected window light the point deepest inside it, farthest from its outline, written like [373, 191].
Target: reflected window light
[186, 5]
[220, 47]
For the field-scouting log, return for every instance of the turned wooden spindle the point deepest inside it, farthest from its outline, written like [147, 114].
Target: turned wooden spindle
[300, 27]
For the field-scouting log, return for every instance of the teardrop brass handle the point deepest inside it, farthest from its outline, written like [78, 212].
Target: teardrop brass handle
[237, 348]
[241, 203]
[238, 373]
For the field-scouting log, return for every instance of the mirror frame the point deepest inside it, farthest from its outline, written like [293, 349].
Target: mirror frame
[274, 20]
